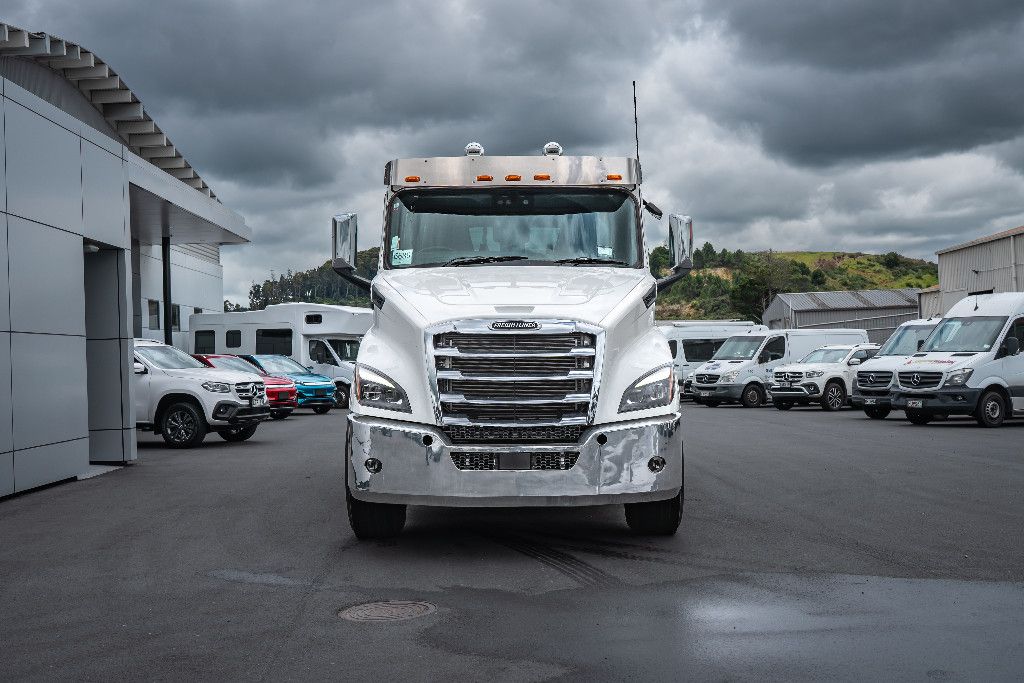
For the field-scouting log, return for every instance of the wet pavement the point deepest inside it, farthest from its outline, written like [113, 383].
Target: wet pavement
[813, 546]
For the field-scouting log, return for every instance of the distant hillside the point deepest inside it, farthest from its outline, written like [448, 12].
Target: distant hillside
[737, 284]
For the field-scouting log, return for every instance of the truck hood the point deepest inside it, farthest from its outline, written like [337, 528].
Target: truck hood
[214, 375]
[587, 293]
[937, 362]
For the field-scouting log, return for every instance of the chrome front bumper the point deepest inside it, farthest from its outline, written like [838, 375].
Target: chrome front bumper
[417, 467]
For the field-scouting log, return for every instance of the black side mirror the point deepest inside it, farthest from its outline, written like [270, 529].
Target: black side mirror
[655, 211]
[920, 343]
[1012, 346]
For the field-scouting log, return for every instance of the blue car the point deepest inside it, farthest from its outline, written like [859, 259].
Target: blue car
[312, 390]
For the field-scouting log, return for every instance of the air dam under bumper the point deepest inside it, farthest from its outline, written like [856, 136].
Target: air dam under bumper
[417, 474]
[718, 392]
[953, 401]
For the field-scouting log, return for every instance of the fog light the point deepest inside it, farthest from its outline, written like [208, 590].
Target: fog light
[656, 464]
[427, 439]
[372, 465]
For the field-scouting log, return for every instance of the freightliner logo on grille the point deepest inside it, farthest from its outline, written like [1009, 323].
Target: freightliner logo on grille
[515, 325]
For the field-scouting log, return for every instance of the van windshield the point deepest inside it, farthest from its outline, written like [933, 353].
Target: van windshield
[965, 334]
[903, 341]
[738, 348]
[521, 226]
[825, 356]
[167, 358]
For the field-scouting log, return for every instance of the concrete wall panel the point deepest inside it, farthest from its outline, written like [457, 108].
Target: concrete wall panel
[6, 474]
[37, 466]
[106, 299]
[6, 411]
[49, 378]
[103, 188]
[106, 446]
[44, 170]
[3, 146]
[46, 279]
[107, 387]
[5, 309]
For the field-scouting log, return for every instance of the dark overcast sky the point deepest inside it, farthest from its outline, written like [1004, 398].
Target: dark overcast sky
[860, 125]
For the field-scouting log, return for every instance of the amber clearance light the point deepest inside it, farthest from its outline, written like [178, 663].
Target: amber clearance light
[614, 176]
[484, 178]
[412, 178]
[542, 176]
[512, 178]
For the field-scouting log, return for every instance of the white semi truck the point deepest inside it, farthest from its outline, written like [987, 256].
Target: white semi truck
[513, 358]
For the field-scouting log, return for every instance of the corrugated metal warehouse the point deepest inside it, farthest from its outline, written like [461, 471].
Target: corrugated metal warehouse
[879, 311]
[991, 264]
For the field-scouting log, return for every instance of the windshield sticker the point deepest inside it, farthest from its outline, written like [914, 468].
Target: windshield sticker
[401, 257]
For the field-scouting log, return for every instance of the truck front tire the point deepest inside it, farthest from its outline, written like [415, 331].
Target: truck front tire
[657, 518]
[182, 425]
[374, 520]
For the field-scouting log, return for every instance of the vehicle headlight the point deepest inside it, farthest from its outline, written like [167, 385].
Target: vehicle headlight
[217, 387]
[958, 378]
[729, 377]
[653, 390]
[814, 373]
[376, 390]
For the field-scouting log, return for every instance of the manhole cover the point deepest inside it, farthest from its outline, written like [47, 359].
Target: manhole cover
[387, 610]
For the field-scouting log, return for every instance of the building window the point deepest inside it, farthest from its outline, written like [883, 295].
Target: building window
[175, 318]
[204, 342]
[233, 339]
[274, 341]
[154, 314]
[314, 318]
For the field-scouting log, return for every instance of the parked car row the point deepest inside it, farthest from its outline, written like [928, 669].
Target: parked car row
[183, 397]
[967, 363]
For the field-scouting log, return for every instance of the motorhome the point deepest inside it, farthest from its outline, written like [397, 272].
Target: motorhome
[970, 364]
[694, 342]
[320, 337]
[875, 376]
[513, 358]
[742, 369]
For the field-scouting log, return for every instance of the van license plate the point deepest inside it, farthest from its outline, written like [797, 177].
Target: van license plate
[869, 401]
[915, 403]
[704, 394]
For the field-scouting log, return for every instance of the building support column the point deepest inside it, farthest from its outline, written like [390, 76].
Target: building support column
[165, 256]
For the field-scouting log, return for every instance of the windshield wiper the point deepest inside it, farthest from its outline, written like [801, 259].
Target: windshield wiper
[587, 260]
[469, 260]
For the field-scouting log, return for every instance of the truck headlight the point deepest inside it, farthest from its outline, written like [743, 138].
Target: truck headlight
[729, 377]
[958, 378]
[653, 390]
[217, 387]
[814, 373]
[376, 390]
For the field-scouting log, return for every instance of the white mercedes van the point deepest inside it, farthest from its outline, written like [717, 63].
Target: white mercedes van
[694, 342]
[875, 375]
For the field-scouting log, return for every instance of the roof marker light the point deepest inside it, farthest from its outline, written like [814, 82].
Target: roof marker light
[412, 178]
[512, 177]
[474, 149]
[542, 176]
[484, 178]
[614, 176]
[553, 149]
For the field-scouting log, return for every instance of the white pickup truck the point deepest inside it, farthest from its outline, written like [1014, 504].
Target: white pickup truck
[180, 399]
[513, 358]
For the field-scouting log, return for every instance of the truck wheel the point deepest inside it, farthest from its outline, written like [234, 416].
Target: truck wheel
[238, 433]
[182, 426]
[919, 418]
[341, 396]
[752, 396]
[877, 413]
[657, 518]
[374, 520]
[279, 414]
[991, 410]
[321, 410]
[834, 396]
[783, 405]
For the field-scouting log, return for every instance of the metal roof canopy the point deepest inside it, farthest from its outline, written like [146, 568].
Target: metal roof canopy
[153, 217]
[982, 240]
[850, 300]
[464, 171]
[105, 90]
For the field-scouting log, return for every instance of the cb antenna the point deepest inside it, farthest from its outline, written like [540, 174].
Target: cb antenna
[636, 134]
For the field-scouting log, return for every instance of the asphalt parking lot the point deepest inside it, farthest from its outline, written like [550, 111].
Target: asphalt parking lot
[813, 546]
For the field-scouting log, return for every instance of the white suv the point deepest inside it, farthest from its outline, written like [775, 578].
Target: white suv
[825, 376]
[181, 399]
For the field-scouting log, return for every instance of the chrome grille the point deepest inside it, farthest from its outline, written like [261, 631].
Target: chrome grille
[475, 461]
[249, 389]
[483, 461]
[920, 380]
[499, 378]
[465, 434]
[788, 376]
[873, 380]
[705, 379]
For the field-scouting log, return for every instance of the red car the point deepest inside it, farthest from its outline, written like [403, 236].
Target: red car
[281, 392]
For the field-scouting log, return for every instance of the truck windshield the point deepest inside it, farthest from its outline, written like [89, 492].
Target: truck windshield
[167, 358]
[281, 364]
[965, 334]
[529, 226]
[345, 349]
[825, 356]
[903, 341]
[738, 348]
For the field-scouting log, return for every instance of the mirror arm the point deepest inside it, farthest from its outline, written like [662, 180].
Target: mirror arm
[348, 273]
[678, 273]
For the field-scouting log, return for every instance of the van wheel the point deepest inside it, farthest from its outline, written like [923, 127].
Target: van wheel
[657, 518]
[919, 418]
[238, 433]
[182, 426]
[752, 396]
[783, 405]
[834, 396]
[991, 410]
[374, 520]
[321, 410]
[877, 413]
[341, 396]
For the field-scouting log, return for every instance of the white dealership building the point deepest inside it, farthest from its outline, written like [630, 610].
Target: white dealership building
[106, 233]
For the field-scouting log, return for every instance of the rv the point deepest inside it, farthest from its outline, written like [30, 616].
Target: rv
[694, 342]
[321, 337]
[743, 368]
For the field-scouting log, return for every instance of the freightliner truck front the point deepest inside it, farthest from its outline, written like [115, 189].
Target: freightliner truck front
[513, 359]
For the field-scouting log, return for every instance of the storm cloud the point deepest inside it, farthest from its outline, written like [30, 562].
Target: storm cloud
[861, 125]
